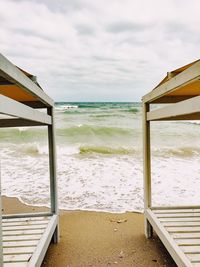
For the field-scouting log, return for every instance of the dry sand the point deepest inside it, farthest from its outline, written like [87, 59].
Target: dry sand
[98, 239]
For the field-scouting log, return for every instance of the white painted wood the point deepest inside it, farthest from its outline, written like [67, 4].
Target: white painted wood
[172, 247]
[196, 264]
[15, 264]
[173, 111]
[147, 168]
[168, 211]
[23, 232]
[185, 235]
[185, 229]
[13, 108]
[13, 74]
[20, 243]
[44, 242]
[186, 219]
[190, 249]
[184, 78]
[194, 257]
[23, 227]
[17, 258]
[25, 217]
[20, 250]
[21, 237]
[155, 208]
[179, 215]
[178, 224]
[53, 172]
[187, 242]
[24, 223]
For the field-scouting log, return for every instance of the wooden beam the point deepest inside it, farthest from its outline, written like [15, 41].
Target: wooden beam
[34, 104]
[171, 99]
[19, 123]
[24, 215]
[182, 110]
[53, 171]
[182, 79]
[13, 108]
[14, 75]
[147, 167]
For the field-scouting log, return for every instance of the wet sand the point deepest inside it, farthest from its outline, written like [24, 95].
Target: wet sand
[98, 239]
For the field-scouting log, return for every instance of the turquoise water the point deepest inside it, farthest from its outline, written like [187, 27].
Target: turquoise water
[99, 147]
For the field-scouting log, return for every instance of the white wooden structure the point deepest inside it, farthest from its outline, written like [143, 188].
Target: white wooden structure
[24, 238]
[177, 227]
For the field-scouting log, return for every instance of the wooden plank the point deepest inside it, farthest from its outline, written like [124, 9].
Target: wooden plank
[38, 256]
[19, 218]
[147, 168]
[155, 208]
[190, 249]
[186, 107]
[21, 237]
[13, 108]
[190, 229]
[25, 223]
[172, 247]
[20, 243]
[193, 257]
[186, 77]
[187, 242]
[23, 227]
[185, 235]
[178, 224]
[16, 264]
[169, 211]
[184, 219]
[17, 258]
[20, 250]
[178, 215]
[13, 74]
[53, 172]
[18, 123]
[23, 232]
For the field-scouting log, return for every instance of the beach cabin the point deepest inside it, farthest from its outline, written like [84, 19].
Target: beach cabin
[177, 227]
[24, 238]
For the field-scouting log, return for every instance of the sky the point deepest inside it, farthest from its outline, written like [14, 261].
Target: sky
[99, 50]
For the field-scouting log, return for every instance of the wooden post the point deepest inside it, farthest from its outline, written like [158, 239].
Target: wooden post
[1, 239]
[147, 168]
[52, 166]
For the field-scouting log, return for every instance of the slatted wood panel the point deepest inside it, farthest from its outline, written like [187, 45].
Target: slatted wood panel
[183, 226]
[20, 239]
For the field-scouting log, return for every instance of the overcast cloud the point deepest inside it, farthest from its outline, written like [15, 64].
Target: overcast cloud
[90, 50]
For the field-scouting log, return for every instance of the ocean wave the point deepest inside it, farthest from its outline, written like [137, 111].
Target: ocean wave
[184, 152]
[131, 110]
[95, 131]
[106, 150]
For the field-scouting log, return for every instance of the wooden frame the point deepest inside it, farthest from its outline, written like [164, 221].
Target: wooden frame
[177, 227]
[25, 237]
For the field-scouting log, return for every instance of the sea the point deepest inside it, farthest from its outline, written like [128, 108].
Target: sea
[99, 159]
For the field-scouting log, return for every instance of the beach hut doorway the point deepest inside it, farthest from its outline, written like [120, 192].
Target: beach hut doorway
[177, 227]
[24, 238]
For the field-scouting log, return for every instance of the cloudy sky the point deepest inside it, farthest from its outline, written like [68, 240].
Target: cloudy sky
[99, 50]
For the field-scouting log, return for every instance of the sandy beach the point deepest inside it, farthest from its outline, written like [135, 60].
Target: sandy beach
[99, 239]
